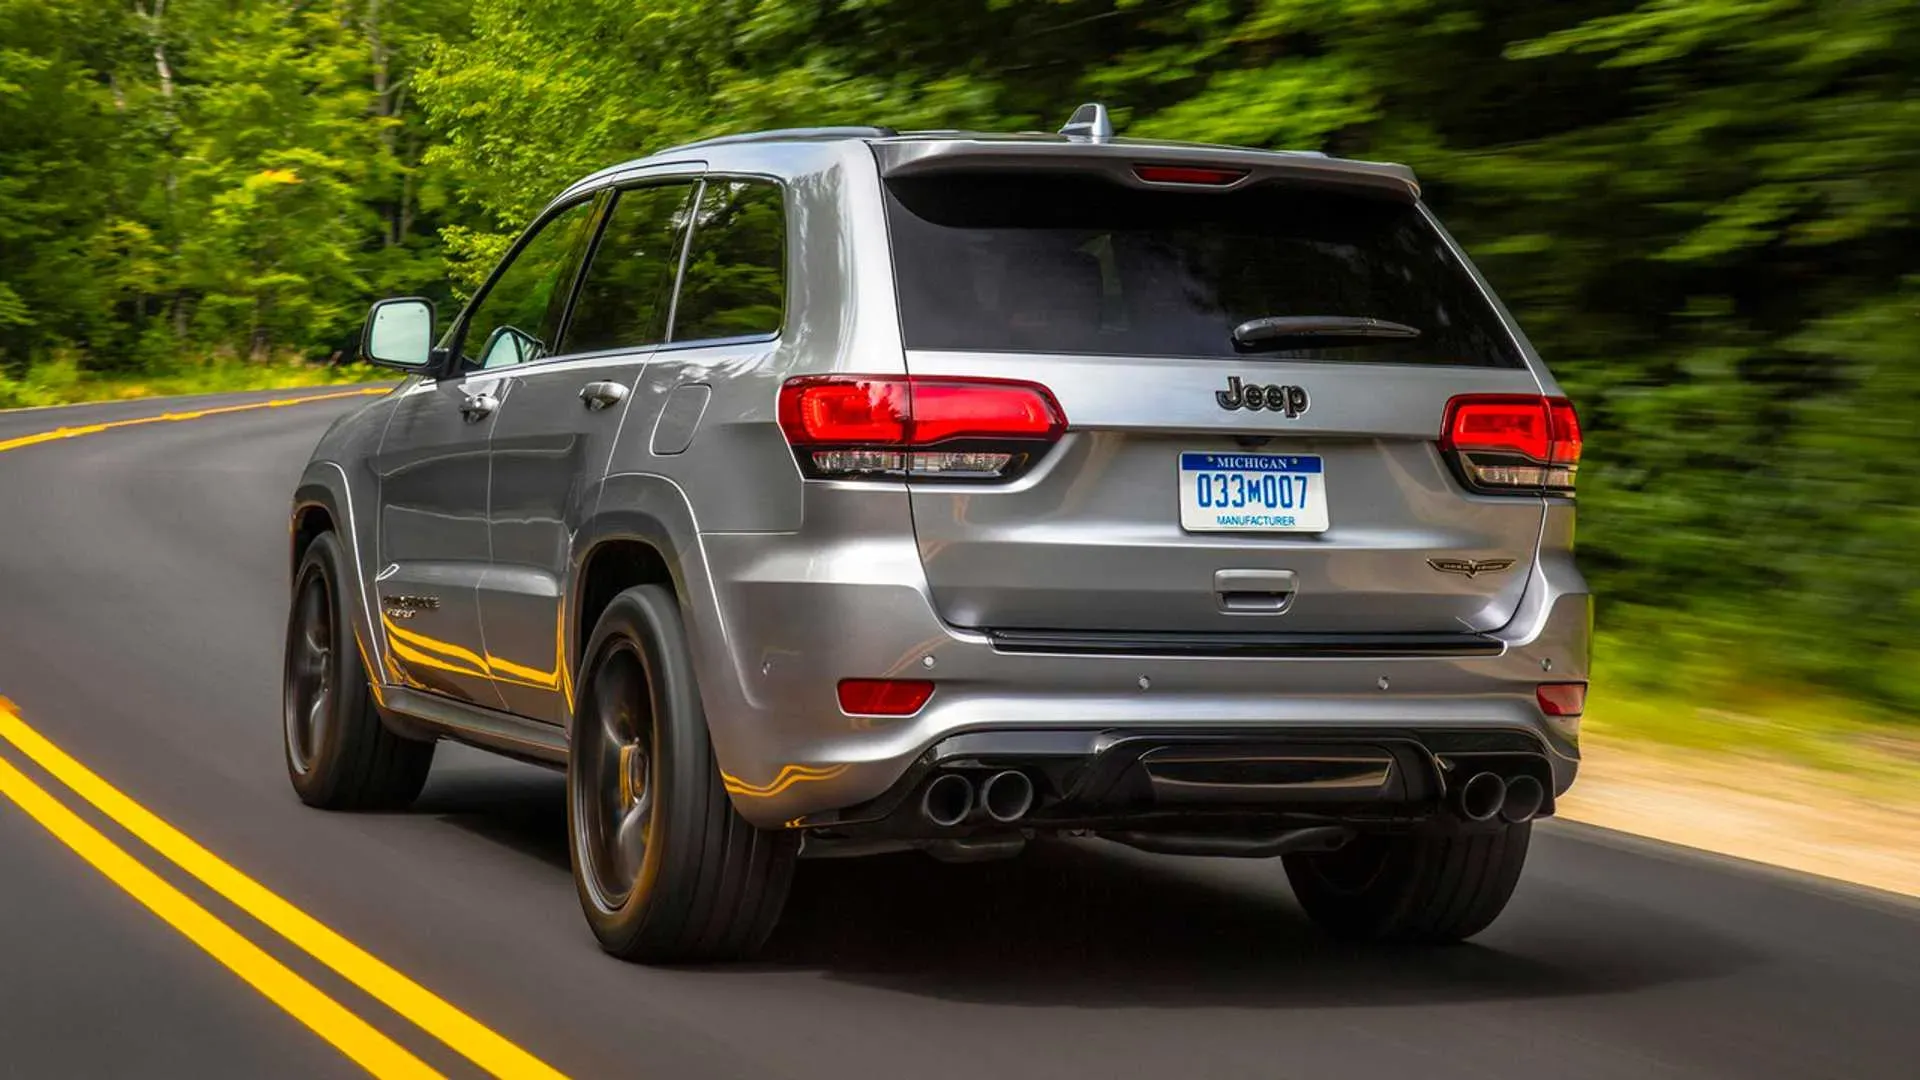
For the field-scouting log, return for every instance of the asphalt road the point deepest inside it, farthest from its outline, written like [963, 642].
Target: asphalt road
[142, 597]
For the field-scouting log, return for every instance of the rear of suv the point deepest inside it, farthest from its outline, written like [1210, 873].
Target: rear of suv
[843, 491]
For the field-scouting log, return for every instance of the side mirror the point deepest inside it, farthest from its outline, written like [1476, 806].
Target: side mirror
[399, 334]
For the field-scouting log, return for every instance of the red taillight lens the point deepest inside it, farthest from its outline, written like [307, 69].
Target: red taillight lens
[883, 697]
[1564, 431]
[1187, 174]
[978, 410]
[1562, 699]
[1516, 424]
[1520, 443]
[853, 426]
[845, 411]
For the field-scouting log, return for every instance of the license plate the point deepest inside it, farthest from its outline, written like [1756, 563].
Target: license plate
[1252, 492]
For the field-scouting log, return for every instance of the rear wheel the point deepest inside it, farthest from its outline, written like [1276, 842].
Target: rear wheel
[1430, 888]
[338, 753]
[665, 867]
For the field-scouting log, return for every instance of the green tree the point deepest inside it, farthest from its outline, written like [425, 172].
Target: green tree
[57, 137]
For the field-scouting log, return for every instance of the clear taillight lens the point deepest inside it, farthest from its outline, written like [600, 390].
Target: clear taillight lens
[921, 427]
[1513, 443]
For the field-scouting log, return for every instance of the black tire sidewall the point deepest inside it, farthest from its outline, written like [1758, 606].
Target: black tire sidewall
[1431, 888]
[350, 704]
[647, 618]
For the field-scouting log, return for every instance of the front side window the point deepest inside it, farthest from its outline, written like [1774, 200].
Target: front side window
[518, 318]
[735, 284]
[628, 286]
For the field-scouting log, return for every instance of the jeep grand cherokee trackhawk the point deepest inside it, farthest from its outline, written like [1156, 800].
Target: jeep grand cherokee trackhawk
[843, 490]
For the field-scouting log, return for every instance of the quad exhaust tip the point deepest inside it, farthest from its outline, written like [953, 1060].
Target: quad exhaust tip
[1513, 800]
[948, 800]
[1006, 796]
[1525, 797]
[1481, 797]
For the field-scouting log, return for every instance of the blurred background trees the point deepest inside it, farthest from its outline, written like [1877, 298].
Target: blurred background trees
[1704, 212]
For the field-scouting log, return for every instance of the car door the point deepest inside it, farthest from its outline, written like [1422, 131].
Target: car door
[434, 470]
[556, 432]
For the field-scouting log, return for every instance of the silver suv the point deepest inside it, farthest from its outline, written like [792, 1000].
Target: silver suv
[838, 491]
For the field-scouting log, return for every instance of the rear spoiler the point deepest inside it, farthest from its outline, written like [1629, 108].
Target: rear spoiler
[1120, 158]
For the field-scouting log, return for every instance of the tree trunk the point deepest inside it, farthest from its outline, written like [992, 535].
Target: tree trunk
[384, 106]
[170, 181]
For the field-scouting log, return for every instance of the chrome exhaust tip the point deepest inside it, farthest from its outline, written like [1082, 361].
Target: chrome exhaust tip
[1525, 797]
[1006, 796]
[947, 800]
[1481, 797]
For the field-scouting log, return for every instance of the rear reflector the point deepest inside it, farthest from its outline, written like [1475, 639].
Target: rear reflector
[1518, 443]
[1562, 699]
[854, 426]
[883, 697]
[1188, 174]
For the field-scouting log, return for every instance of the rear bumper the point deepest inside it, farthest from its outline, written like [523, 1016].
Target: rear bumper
[1201, 781]
[784, 622]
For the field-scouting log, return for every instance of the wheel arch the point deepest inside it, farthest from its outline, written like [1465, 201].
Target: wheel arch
[323, 502]
[643, 532]
[640, 533]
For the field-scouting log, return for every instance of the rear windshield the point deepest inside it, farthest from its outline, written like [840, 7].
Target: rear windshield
[1081, 264]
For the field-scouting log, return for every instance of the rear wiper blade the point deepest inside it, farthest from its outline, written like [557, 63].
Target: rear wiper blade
[1299, 331]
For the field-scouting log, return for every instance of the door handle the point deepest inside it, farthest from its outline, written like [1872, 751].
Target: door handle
[1254, 592]
[599, 395]
[477, 407]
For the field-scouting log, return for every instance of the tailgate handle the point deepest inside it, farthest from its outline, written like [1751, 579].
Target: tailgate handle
[1254, 592]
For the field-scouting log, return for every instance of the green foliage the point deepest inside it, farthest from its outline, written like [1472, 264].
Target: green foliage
[1703, 211]
[197, 176]
[61, 381]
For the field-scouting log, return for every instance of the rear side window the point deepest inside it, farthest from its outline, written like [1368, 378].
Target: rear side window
[735, 284]
[628, 286]
[1080, 264]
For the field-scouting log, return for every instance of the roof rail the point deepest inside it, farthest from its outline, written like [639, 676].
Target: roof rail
[782, 134]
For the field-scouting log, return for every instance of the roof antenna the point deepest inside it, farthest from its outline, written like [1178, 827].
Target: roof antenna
[1089, 122]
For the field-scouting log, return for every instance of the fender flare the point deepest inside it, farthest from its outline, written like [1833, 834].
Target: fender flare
[654, 510]
[324, 486]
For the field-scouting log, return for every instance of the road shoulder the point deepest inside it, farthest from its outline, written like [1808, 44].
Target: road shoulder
[1749, 808]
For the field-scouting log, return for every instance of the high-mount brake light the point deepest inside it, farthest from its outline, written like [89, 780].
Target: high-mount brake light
[1523, 444]
[920, 427]
[1188, 174]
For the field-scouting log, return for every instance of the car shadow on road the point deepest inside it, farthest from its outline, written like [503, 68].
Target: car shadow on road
[520, 807]
[1089, 924]
[1094, 925]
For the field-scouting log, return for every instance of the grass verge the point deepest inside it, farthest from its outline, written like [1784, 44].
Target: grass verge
[1793, 777]
[1866, 750]
[65, 384]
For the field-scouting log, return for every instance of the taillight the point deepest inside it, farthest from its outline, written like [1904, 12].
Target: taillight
[1518, 443]
[923, 427]
[883, 697]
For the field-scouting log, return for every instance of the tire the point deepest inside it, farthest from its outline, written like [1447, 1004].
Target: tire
[1430, 888]
[338, 753]
[666, 869]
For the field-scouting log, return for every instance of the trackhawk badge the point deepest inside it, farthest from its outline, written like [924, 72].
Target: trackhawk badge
[406, 607]
[1470, 567]
[1291, 400]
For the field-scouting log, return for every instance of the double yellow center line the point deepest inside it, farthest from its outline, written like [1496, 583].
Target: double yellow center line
[352, 1035]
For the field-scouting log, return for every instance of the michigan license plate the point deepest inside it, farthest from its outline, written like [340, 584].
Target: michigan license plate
[1252, 492]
